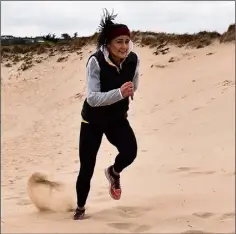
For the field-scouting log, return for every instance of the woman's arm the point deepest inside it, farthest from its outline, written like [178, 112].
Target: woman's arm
[95, 97]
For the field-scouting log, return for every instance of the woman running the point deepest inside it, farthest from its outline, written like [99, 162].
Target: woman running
[112, 78]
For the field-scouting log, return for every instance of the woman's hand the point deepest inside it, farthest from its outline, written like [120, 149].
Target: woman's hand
[127, 90]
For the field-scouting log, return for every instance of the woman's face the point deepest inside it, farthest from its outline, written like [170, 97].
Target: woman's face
[119, 46]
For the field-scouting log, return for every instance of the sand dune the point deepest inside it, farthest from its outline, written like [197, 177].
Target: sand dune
[183, 115]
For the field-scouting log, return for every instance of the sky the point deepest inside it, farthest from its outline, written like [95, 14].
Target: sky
[38, 18]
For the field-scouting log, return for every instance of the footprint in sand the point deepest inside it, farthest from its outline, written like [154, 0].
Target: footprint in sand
[132, 212]
[203, 215]
[121, 226]
[121, 212]
[229, 215]
[130, 227]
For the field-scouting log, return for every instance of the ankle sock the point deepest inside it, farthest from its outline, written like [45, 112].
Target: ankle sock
[113, 172]
[81, 208]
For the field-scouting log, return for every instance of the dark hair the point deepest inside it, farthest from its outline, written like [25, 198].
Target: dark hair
[107, 28]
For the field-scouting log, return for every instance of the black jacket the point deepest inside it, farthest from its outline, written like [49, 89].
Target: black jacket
[110, 79]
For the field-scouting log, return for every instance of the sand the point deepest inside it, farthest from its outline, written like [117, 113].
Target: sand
[183, 115]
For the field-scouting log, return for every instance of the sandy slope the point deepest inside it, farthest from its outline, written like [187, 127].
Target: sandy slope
[183, 115]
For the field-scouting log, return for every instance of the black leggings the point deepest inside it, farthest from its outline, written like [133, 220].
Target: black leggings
[120, 135]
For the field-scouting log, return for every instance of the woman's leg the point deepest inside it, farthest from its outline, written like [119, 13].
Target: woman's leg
[90, 141]
[121, 135]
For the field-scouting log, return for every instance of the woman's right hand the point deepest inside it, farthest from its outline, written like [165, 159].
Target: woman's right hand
[127, 89]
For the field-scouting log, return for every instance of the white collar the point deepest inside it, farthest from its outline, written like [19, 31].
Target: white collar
[106, 53]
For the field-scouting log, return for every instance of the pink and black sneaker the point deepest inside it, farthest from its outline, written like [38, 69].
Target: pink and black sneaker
[79, 214]
[114, 180]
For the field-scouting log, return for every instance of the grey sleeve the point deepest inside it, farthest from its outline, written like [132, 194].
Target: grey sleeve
[95, 97]
[136, 76]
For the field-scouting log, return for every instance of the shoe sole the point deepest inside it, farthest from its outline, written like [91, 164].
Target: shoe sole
[107, 176]
[80, 218]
